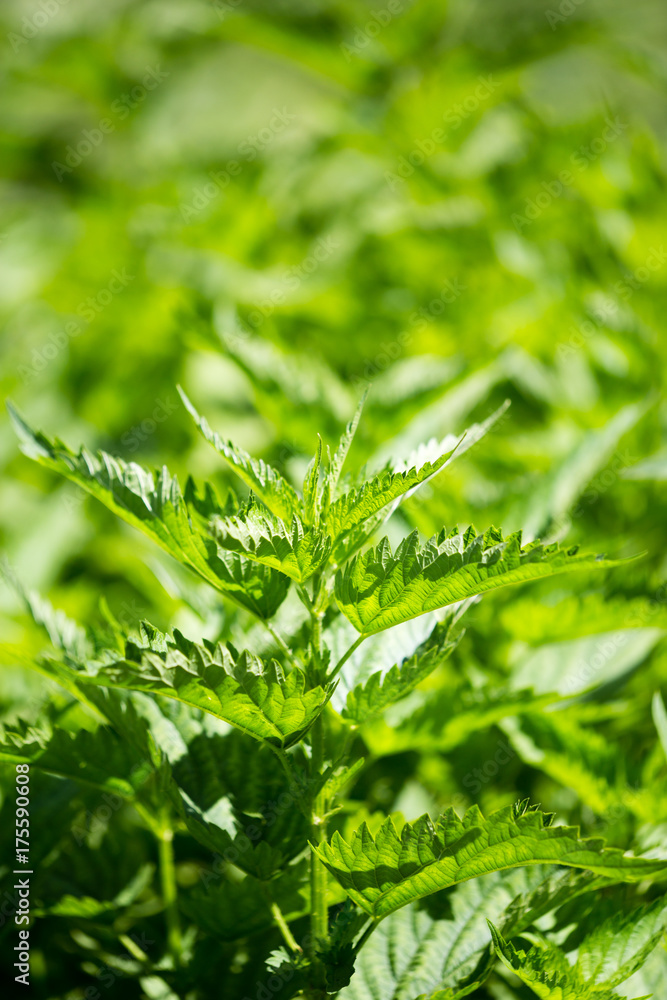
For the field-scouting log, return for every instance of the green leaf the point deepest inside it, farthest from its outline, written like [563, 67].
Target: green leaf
[383, 688]
[448, 717]
[413, 953]
[98, 759]
[385, 872]
[361, 512]
[89, 908]
[254, 696]
[571, 667]
[311, 485]
[154, 504]
[531, 620]
[620, 945]
[337, 461]
[606, 957]
[297, 551]
[577, 758]
[552, 499]
[378, 589]
[265, 482]
[241, 805]
[64, 632]
[547, 972]
[360, 504]
[660, 719]
[652, 468]
[231, 910]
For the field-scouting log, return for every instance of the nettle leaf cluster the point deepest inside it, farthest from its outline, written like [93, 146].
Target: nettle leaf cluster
[243, 761]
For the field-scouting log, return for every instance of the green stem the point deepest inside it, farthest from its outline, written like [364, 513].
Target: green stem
[319, 914]
[282, 924]
[317, 635]
[358, 945]
[295, 781]
[346, 656]
[133, 948]
[169, 891]
[280, 642]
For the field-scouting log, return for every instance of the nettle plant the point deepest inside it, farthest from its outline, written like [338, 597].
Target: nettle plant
[250, 756]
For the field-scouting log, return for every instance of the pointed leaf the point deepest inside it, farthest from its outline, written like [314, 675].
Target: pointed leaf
[547, 972]
[412, 953]
[576, 757]
[385, 872]
[620, 945]
[383, 688]
[378, 589]
[660, 719]
[248, 693]
[426, 456]
[240, 804]
[311, 485]
[98, 759]
[154, 504]
[296, 551]
[337, 462]
[359, 504]
[265, 482]
[229, 910]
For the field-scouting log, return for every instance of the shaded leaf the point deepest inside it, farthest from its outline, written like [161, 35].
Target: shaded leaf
[99, 759]
[412, 953]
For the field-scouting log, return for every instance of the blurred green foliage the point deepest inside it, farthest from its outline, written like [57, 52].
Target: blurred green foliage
[276, 204]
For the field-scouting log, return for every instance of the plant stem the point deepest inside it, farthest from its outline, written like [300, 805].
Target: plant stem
[295, 780]
[280, 642]
[346, 655]
[169, 891]
[282, 924]
[319, 914]
[358, 945]
[317, 635]
[133, 948]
